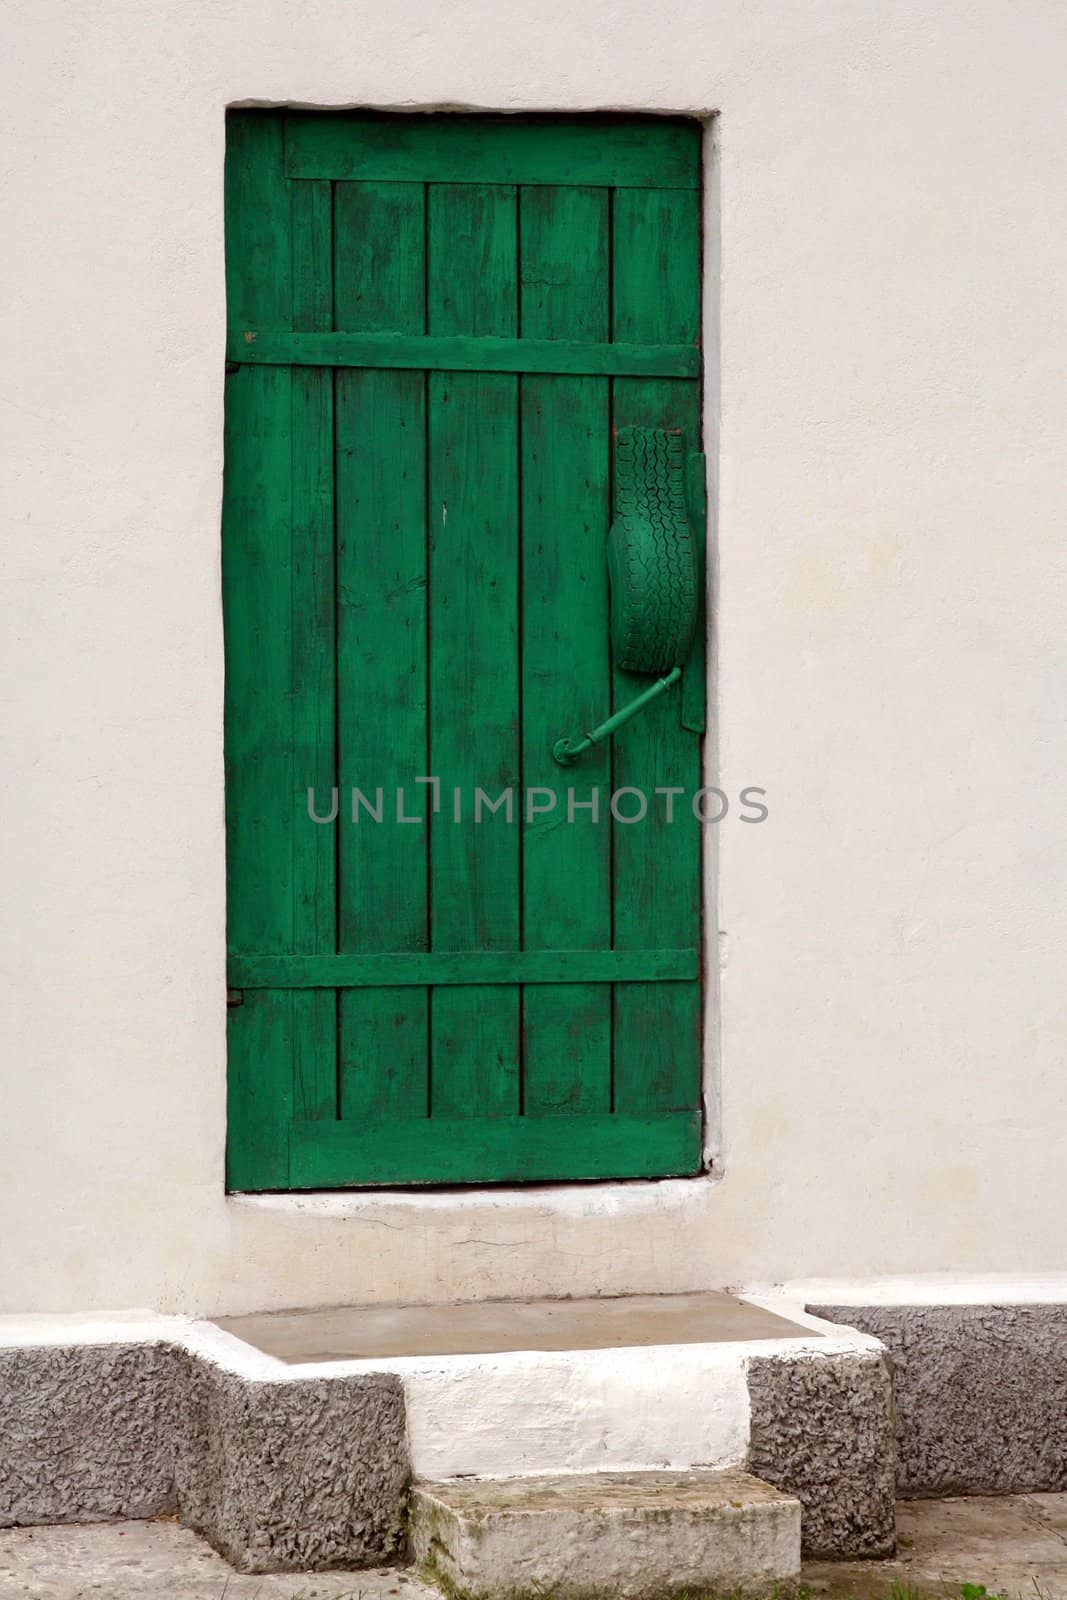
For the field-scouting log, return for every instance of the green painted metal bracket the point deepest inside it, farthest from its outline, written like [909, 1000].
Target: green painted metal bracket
[654, 566]
[567, 753]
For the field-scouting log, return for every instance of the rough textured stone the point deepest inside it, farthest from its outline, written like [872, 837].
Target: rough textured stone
[300, 1474]
[278, 1475]
[87, 1432]
[633, 1535]
[980, 1392]
[822, 1429]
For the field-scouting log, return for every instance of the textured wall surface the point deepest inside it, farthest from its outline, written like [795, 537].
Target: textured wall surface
[822, 1429]
[294, 1474]
[886, 200]
[980, 1393]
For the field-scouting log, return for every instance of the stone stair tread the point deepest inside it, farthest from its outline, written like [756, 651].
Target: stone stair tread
[487, 1327]
[586, 1490]
[635, 1535]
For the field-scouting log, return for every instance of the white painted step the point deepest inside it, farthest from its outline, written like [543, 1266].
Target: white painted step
[631, 1536]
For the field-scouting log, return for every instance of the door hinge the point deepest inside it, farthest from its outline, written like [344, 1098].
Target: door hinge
[232, 366]
[234, 997]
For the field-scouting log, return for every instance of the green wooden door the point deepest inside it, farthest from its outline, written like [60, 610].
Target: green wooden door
[435, 326]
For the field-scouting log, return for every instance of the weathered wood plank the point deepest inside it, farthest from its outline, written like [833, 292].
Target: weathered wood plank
[657, 865]
[474, 673]
[505, 1149]
[450, 967]
[312, 646]
[660, 151]
[379, 274]
[312, 246]
[566, 426]
[257, 600]
[455, 353]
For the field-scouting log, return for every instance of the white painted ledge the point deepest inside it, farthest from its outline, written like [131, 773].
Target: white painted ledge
[518, 1412]
[929, 1289]
[635, 1198]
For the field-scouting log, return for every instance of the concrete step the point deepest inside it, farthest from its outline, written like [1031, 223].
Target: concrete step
[643, 1383]
[368, 1398]
[623, 1535]
[505, 1389]
[490, 1327]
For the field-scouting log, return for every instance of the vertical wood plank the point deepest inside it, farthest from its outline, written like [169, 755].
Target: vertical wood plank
[314, 1016]
[474, 679]
[381, 602]
[257, 599]
[657, 873]
[566, 680]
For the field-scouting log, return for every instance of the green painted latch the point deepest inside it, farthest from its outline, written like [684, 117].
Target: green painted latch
[654, 568]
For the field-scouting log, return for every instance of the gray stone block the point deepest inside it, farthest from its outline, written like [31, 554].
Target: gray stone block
[822, 1429]
[87, 1432]
[980, 1391]
[287, 1475]
[604, 1536]
[295, 1475]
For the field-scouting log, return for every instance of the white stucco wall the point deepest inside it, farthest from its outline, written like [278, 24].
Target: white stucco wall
[891, 633]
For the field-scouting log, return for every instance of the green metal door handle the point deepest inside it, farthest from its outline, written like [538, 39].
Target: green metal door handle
[567, 753]
[653, 571]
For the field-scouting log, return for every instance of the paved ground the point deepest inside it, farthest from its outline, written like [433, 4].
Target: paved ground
[1015, 1546]
[158, 1560]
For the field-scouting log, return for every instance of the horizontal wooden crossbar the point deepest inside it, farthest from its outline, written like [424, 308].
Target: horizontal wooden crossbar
[457, 353]
[656, 152]
[423, 968]
[512, 1149]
